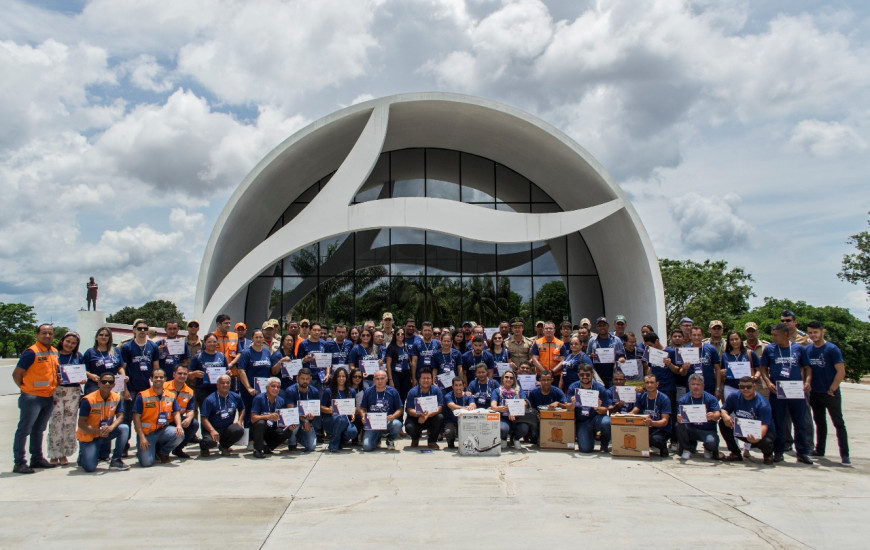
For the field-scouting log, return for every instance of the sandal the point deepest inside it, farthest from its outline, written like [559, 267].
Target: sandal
[64, 461]
[54, 461]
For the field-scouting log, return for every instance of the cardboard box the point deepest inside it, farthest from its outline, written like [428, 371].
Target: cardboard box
[628, 436]
[479, 434]
[557, 430]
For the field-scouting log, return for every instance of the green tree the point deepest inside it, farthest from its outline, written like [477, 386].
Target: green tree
[155, 312]
[704, 291]
[17, 327]
[551, 303]
[856, 267]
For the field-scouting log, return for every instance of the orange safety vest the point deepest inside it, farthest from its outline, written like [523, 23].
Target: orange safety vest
[183, 397]
[100, 410]
[228, 345]
[152, 406]
[548, 352]
[41, 377]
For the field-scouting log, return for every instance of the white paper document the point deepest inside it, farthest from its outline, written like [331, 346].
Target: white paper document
[739, 369]
[119, 384]
[626, 394]
[426, 404]
[288, 417]
[260, 384]
[657, 356]
[73, 374]
[214, 373]
[445, 380]
[745, 427]
[694, 414]
[310, 406]
[606, 355]
[630, 368]
[690, 355]
[322, 360]
[343, 407]
[501, 368]
[587, 398]
[289, 369]
[527, 381]
[370, 366]
[175, 346]
[516, 407]
[790, 389]
[376, 421]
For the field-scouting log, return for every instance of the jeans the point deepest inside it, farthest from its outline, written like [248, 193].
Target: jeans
[689, 434]
[658, 438]
[820, 403]
[451, 431]
[672, 395]
[519, 429]
[766, 443]
[161, 441]
[371, 437]
[432, 426]
[32, 421]
[89, 450]
[263, 435]
[796, 409]
[307, 439]
[586, 433]
[227, 436]
[189, 433]
[339, 429]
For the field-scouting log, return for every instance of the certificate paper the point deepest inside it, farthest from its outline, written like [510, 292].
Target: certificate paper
[291, 368]
[214, 373]
[343, 407]
[657, 356]
[501, 368]
[73, 374]
[322, 360]
[119, 384]
[260, 384]
[694, 414]
[744, 427]
[626, 394]
[376, 421]
[527, 381]
[516, 407]
[175, 346]
[310, 406]
[587, 398]
[605, 355]
[288, 417]
[427, 404]
[445, 380]
[690, 355]
[790, 389]
[739, 369]
[629, 368]
[370, 366]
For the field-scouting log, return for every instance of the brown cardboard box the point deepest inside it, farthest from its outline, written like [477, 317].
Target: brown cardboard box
[557, 430]
[628, 436]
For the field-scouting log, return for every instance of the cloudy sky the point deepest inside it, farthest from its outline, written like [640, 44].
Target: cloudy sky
[741, 130]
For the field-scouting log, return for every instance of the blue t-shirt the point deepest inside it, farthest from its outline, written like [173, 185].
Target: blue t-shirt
[201, 362]
[416, 391]
[463, 401]
[423, 352]
[443, 363]
[307, 347]
[709, 356]
[293, 395]
[822, 360]
[413, 340]
[260, 405]
[755, 409]
[706, 399]
[635, 355]
[70, 359]
[537, 399]
[625, 408]
[221, 411]
[784, 363]
[470, 361]
[168, 362]
[728, 358]
[655, 408]
[26, 359]
[274, 359]
[140, 363]
[666, 377]
[400, 357]
[501, 393]
[584, 414]
[98, 362]
[605, 370]
[356, 356]
[482, 393]
[256, 364]
[339, 351]
[571, 367]
[387, 401]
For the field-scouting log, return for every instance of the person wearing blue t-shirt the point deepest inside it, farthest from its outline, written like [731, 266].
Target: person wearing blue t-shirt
[709, 364]
[736, 352]
[604, 340]
[590, 419]
[829, 370]
[447, 359]
[399, 355]
[422, 351]
[281, 358]
[509, 425]
[103, 357]
[481, 387]
[667, 373]
[309, 424]
[255, 368]
[618, 405]
[477, 355]
[455, 400]
[340, 428]
[307, 349]
[366, 350]
[657, 407]
[169, 361]
[688, 433]
[340, 348]
[266, 432]
[381, 398]
[570, 366]
[208, 358]
[786, 361]
[420, 419]
[220, 427]
[547, 396]
[141, 357]
[631, 363]
[747, 404]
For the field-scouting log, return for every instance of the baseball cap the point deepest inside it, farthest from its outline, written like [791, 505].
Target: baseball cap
[241, 325]
[750, 325]
[585, 321]
[601, 319]
[619, 319]
[517, 321]
[387, 315]
[716, 324]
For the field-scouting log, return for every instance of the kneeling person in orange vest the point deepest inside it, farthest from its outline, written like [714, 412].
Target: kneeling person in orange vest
[157, 422]
[101, 416]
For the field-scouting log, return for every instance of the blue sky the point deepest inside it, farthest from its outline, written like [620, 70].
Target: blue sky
[739, 129]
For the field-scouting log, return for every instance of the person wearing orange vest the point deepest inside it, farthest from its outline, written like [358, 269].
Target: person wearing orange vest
[157, 422]
[101, 417]
[228, 344]
[187, 408]
[36, 378]
[546, 353]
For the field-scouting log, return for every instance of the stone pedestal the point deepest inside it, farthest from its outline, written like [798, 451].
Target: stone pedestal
[87, 325]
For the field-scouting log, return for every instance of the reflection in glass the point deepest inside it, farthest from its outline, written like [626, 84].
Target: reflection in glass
[551, 299]
[478, 180]
[372, 247]
[543, 262]
[406, 171]
[302, 262]
[377, 186]
[442, 174]
[442, 254]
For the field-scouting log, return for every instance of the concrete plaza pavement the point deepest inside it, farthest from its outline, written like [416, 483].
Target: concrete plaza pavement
[411, 499]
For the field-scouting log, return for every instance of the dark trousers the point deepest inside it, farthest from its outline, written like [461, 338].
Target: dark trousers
[433, 427]
[451, 431]
[672, 396]
[766, 443]
[402, 383]
[832, 404]
[227, 437]
[658, 438]
[189, 434]
[796, 409]
[262, 434]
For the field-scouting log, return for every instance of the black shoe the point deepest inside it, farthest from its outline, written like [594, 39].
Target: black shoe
[816, 453]
[268, 451]
[768, 459]
[778, 458]
[181, 454]
[23, 468]
[291, 448]
[259, 454]
[805, 459]
[41, 463]
[451, 445]
[664, 452]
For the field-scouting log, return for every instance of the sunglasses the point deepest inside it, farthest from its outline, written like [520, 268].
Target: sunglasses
[508, 377]
[193, 325]
[141, 329]
[107, 382]
[744, 387]
[587, 375]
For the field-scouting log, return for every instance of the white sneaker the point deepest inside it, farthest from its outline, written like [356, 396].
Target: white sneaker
[686, 455]
[504, 444]
[517, 445]
[708, 455]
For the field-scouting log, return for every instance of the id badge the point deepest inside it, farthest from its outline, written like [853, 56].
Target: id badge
[162, 418]
[270, 423]
[786, 371]
[104, 423]
[427, 360]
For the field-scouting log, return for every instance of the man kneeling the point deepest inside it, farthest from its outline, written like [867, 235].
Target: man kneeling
[157, 422]
[218, 416]
[265, 431]
[689, 430]
[747, 406]
[423, 417]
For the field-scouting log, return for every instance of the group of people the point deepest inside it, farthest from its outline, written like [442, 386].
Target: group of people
[359, 385]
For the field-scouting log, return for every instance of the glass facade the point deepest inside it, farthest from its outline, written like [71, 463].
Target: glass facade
[424, 274]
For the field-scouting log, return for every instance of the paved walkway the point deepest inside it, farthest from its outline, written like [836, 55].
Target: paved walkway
[411, 499]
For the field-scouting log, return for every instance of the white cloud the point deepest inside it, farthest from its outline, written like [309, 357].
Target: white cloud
[147, 74]
[826, 139]
[712, 224]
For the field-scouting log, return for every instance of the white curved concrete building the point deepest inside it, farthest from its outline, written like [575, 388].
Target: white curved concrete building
[439, 205]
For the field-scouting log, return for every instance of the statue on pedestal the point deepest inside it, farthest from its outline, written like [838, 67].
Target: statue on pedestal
[92, 287]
